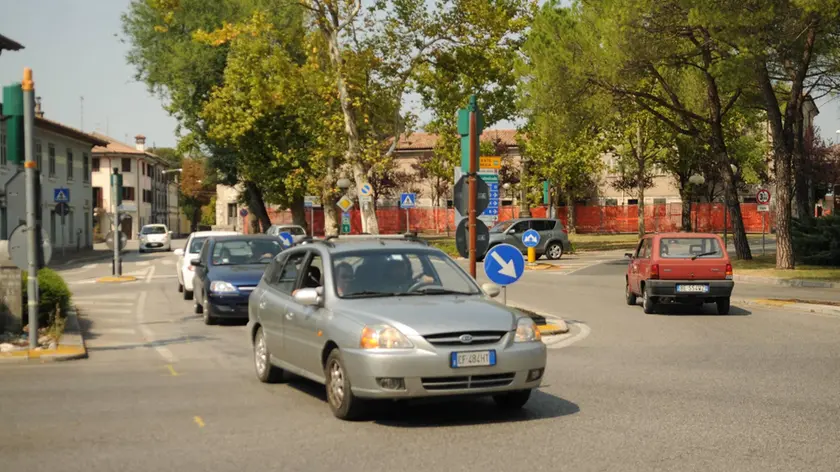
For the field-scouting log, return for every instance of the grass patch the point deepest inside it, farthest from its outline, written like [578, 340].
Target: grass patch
[765, 266]
[446, 245]
[603, 242]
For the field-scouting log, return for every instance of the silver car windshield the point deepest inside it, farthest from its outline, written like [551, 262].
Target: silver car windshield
[245, 251]
[380, 273]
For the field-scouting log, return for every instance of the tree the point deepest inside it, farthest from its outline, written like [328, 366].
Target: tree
[195, 191]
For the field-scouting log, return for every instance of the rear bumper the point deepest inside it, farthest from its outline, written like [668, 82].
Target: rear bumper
[668, 289]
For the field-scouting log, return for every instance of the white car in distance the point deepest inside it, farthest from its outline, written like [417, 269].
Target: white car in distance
[190, 252]
[155, 237]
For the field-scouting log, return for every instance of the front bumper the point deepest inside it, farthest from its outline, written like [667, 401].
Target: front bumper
[428, 373]
[668, 289]
[234, 306]
[152, 245]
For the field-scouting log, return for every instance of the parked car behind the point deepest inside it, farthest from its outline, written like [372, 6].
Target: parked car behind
[554, 238]
[297, 232]
[226, 272]
[679, 268]
[191, 251]
[376, 317]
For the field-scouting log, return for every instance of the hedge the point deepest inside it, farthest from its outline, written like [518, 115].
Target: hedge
[53, 291]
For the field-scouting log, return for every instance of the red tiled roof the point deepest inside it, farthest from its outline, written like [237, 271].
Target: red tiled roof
[112, 146]
[68, 131]
[417, 141]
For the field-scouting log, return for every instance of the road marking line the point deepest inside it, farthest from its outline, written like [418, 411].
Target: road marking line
[91, 310]
[198, 421]
[172, 370]
[114, 331]
[167, 262]
[150, 274]
[147, 333]
[566, 340]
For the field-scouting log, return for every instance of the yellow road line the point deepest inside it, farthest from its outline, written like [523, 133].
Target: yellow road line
[172, 371]
[198, 421]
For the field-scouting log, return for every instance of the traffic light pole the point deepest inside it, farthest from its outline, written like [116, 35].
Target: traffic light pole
[33, 297]
[473, 185]
[116, 239]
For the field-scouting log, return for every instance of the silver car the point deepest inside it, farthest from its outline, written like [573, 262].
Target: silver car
[554, 238]
[384, 318]
[297, 232]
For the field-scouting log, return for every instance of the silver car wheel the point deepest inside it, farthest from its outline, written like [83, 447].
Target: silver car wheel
[555, 251]
[336, 390]
[261, 355]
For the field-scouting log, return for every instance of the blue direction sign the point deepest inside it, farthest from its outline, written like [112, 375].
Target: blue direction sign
[493, 203]
[366, 190]
[408, 200]
[530, 238]
[287, 239]
[61, 195]
[491, 211]
[504, 264]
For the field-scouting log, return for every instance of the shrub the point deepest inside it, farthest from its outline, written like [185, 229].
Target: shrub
[816, 241]
[53, 291]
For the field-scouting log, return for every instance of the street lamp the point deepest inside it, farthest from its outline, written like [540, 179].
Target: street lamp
[344, 183]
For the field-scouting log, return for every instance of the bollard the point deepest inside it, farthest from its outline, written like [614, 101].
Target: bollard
[532, 255]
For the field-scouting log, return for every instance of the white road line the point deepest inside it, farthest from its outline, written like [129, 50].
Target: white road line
[91, 310]
[90, 266]
[105, 297]
[567, 340]
[147, 333]
[150, 274]
[167, 262]
[142, 263]
[114, 331]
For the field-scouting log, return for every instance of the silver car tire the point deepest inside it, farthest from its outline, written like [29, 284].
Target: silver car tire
[188, 295]
[554, 251]
[343, 403]
[266, 371]
[512, 400]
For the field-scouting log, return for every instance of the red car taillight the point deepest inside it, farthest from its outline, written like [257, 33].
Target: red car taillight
[654, 271]
[728, 271]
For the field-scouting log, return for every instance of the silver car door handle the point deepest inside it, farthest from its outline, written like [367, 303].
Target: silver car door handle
[290, 315]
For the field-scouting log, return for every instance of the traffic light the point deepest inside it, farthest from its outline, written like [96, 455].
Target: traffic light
[13, 115]
[117, 181]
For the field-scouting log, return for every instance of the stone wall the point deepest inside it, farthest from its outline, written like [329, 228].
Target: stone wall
[11, 292]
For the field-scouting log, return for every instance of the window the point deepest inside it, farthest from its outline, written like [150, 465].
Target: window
[659, 201]
[69, 164]
[153, 229]
[85, 167]
[543, 225]
[97, 197]
[143, 167]
[632, 201]
[126, 164]
[95, 164]
[147, 196]
[611, 202]
[646, 249]
[195, 245]
[245, 251]
[389, 272]
[286, 278]
[3, 149]
[128, 193]
[51, 157]
[314, 273]
[231, 210]
[521, 227]
[685, 248]
[39, 158]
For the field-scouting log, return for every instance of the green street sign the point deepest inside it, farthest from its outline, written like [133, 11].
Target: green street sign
[545, 192]
[13, 109]
[464, 131]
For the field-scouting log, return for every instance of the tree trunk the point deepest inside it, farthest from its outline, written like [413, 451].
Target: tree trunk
[784, 242]
[802, 203]
[256, 205]
[685, 223]
[640, 179]
[299, 212]
[330, 214]
[570, 217]
[353, 154]
[195, 218]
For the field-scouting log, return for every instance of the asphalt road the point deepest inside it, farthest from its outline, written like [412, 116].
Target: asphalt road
[758, 390]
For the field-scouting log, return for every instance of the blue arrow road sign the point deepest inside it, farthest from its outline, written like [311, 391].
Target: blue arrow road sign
[504, 264]
[491, 212]
[61, 195]
[287, 239]
[493, 203]
[530, 238]
[408, 200]
[494, 195]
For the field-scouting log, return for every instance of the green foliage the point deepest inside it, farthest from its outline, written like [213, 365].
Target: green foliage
[54, 292]
[816, 241]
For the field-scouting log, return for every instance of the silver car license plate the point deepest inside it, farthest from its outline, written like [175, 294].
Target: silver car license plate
[692, 288]
[473, 359]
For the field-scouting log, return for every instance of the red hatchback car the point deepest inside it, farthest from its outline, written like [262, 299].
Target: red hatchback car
[679, 268]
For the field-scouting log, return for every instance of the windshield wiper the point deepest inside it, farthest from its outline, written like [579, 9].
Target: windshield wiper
[712, 253]
[370, 294]
[440, 291]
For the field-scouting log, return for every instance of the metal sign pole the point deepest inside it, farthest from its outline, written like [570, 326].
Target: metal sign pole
[407, 221]
[504, 294]
[762, 233]
[30, 165]
[116, 238]
[312, 221]
[473, 185]
[63, 236]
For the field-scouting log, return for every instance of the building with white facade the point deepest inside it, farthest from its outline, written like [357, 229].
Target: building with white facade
[149, 195]
[63, 155]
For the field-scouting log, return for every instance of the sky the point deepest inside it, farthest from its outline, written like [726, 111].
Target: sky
[74, 51]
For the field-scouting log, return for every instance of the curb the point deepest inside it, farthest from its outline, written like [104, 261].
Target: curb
[791, 305]
[549, 325]
[116, 280]
[71, 346]
[750, 279]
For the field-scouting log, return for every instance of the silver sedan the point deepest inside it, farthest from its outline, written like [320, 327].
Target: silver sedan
[389, 319]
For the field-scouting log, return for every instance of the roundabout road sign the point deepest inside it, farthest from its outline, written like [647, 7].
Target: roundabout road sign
[19, 244]
[530, 238]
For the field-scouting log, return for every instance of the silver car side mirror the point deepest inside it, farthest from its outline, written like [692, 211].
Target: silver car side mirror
[492, 290]
[308, 297]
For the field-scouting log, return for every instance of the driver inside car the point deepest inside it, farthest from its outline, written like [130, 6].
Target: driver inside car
[398, 276]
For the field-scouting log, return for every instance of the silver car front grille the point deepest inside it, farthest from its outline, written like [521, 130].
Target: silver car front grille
[467, 382]
[465, 338]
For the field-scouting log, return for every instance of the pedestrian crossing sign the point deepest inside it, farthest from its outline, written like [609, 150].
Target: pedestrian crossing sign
[61, 195]
[408, 200]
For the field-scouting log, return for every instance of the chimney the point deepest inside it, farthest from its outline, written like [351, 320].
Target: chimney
[38, 112]
[140, 140]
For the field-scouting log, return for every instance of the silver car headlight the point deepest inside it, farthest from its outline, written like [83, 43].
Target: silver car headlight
[527, 331]
[383, 337]
[222, 287]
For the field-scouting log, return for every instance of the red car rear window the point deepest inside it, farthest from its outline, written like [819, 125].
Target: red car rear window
[685, 248]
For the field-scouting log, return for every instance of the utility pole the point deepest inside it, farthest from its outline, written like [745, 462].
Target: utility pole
[33, 299]
[473, 184]
[116, 188]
